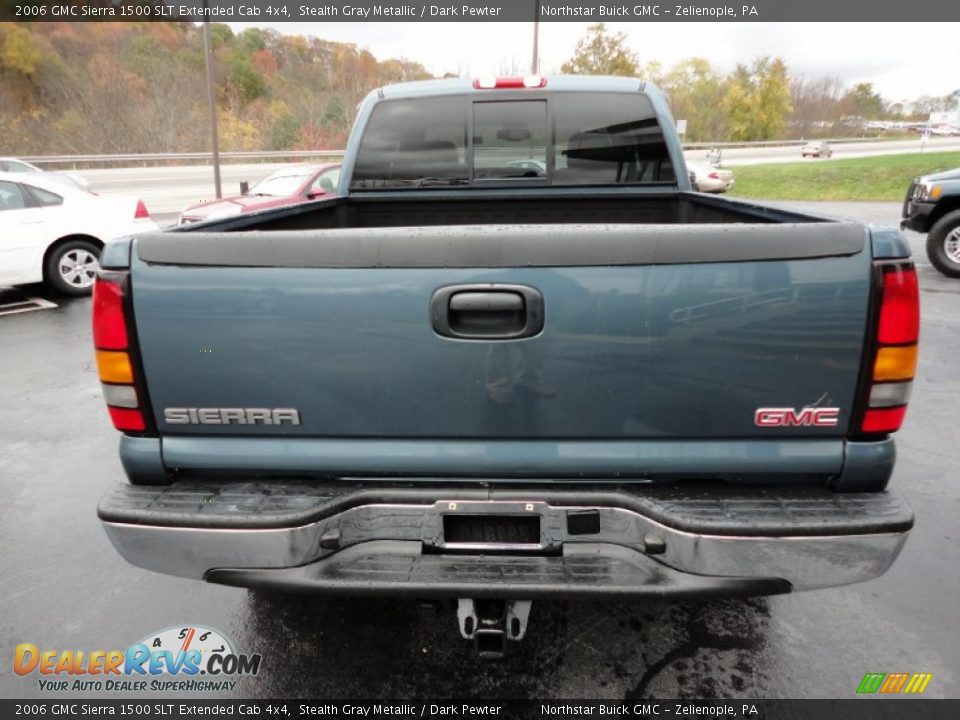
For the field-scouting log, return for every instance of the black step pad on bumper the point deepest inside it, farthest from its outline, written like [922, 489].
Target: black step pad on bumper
[594, 570]
[707, 508]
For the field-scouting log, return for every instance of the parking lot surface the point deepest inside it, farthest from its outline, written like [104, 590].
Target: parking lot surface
[62, 586]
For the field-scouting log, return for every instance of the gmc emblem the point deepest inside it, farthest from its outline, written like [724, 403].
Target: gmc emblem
[805, 417]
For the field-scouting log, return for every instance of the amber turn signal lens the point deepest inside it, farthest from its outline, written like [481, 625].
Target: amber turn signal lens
[114, 367]
[895, 363]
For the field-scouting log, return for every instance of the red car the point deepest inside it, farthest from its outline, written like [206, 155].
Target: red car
[292, 185]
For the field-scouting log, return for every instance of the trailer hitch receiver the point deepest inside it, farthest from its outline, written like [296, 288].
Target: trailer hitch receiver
[490, 623]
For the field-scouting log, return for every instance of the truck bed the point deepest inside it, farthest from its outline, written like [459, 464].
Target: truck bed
[419, 208]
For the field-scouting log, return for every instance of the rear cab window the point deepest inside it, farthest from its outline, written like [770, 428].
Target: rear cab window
[567, 138]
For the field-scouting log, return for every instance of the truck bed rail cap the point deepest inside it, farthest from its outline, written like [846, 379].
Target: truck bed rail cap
[577, 245]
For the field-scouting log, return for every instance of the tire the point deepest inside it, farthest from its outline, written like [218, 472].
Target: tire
[943, 244]
[72, 267]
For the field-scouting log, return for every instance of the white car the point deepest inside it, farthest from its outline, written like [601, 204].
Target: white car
[22, 166]
[53, 233]
[529, 164]
[948, 130]
[709, 179]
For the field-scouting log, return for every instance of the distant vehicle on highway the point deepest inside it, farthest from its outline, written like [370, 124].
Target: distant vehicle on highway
[932, 206]
[530, 166]
[53, 233]
[709, 179]
[16, 165]
[945, 130]
[289, 186]
[817, 149]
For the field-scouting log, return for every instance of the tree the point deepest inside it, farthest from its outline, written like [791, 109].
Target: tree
[757, 100]
[18, 49]
[863, 101]
[738, 104]
[601, 53]
[816, 105]
[695, 90]
[220, 34]
[335, 115]
[923, 106]
[244, 79]
[772, 88]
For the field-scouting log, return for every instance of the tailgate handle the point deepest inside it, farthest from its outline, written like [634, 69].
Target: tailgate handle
[486, 302]
[487, 312]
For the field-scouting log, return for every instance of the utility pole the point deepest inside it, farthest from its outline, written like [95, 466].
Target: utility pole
[212, 97]
[535, 62]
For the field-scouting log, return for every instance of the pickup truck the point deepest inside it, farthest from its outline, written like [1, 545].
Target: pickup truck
[469, 378]
[932, 206]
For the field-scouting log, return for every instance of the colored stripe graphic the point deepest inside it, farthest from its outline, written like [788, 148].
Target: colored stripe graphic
[918, 682]
[871, 682]
[893, 683]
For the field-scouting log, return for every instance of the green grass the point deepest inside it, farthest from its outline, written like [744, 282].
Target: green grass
[884, 177]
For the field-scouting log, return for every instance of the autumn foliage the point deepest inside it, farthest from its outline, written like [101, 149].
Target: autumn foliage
[91, 88]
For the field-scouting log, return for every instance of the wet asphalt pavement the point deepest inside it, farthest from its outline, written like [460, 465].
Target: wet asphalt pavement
[63, 586]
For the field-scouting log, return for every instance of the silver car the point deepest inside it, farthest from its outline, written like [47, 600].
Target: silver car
[816, 149]
[15, 165]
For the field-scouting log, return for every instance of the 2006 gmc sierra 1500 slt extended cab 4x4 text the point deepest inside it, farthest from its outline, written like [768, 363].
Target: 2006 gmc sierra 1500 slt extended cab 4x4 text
[515, 358]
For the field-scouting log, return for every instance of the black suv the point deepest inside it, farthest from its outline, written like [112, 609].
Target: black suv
[932, 206]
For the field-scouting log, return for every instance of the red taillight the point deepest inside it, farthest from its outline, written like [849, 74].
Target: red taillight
[141, 213]
[503, 83]
[124, 419]
[109, 324]
[883, 420]
[114, 364]
[900, 307]
[894, 359]
[713, 176]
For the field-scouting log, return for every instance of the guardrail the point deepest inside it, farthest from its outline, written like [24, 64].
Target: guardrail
[74, 160]
[261, 155]
[787, 143]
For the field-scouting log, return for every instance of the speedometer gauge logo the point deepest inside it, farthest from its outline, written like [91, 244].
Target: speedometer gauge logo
[203, 641]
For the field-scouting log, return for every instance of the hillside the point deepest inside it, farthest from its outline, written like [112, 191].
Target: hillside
[89, 88]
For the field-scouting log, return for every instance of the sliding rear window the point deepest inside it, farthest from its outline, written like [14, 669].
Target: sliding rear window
[562, 139]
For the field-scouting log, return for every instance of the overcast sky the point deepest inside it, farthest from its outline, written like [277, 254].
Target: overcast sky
[903, 60]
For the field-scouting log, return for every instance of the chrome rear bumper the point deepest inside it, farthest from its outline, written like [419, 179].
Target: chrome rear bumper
[363, 540]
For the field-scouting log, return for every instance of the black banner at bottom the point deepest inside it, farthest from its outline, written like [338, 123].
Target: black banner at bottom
[856, 709]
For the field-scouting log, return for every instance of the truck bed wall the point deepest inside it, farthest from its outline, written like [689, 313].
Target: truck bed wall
[409, 209]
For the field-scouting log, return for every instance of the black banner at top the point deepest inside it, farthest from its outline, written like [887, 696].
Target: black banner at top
[449, 709]
[853, 11]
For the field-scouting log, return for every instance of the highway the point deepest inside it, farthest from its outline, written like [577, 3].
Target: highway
[167, 190]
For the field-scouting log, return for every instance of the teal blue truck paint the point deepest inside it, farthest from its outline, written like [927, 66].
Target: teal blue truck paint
[515, 310]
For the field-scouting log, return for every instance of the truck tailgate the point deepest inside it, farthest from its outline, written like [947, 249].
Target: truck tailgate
[649, 333]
